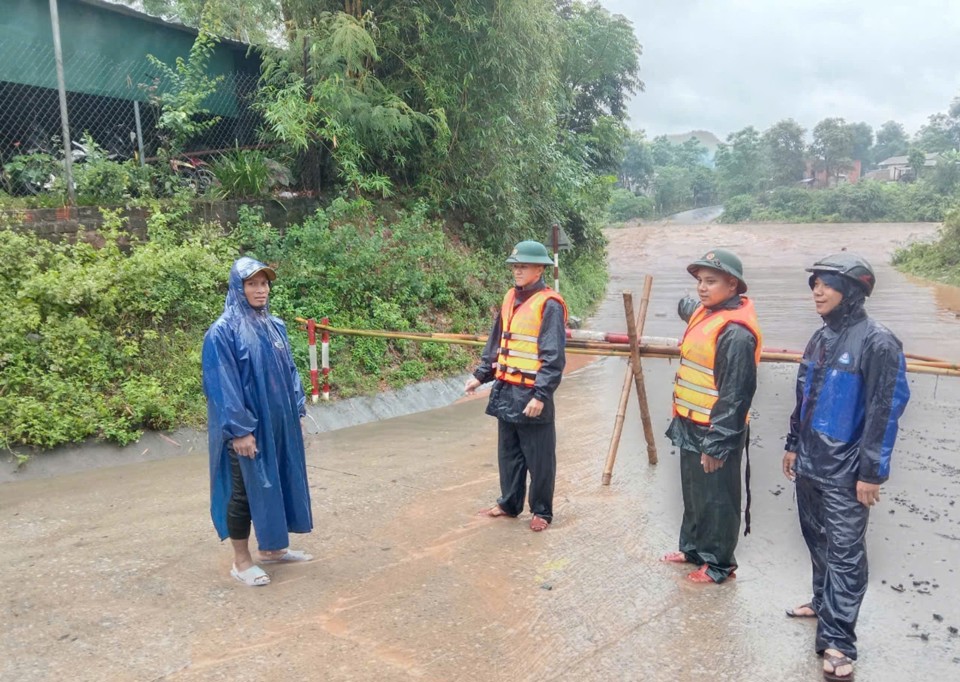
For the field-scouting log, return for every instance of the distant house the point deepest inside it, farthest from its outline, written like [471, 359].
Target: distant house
[892, 169]
[814, 177]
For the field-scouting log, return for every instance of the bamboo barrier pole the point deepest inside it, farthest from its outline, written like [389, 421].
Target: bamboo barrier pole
[621, 407]
[599, 348]
[635, 332]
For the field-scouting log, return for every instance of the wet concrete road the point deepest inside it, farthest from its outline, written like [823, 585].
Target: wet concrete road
[115, 574]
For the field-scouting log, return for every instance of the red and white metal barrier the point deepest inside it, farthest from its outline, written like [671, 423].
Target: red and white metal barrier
[556, 257]
[325, 357]
[312, 346]
[311, 326]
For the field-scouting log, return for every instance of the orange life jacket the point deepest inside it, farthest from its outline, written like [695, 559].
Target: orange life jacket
[694, 389]
[518, 359]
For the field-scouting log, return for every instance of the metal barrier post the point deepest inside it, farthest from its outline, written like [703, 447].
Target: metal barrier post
[136, 120]
[325, 356]
[556, 257]
[312, 346]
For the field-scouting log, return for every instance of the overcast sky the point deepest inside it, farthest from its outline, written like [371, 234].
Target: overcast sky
[721, 65]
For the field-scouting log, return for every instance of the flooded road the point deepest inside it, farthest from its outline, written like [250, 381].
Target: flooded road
[116, 573]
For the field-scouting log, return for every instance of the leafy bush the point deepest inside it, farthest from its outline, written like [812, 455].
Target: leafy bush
[867, 201]
[939, 260]
[104, 342]
[100, 342]
[625, 205]
[738, 209]
[102, 181]
[247, 174]
[31, 173]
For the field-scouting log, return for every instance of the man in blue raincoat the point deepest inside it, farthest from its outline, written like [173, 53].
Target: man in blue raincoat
[255, 400]
[851, 391]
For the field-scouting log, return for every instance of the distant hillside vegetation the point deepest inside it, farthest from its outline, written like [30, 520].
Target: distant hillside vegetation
[707, 139]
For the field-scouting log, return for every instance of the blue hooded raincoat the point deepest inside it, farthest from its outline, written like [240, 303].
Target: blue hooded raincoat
[252, 386]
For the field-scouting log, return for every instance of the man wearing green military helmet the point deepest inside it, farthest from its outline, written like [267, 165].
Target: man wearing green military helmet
[712, 393]
[524, 357]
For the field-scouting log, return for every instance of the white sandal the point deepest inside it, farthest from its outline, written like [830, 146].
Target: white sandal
[289, 556]
[253, 576]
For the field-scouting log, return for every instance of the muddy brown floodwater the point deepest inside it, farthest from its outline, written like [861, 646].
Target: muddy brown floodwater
[116, 574]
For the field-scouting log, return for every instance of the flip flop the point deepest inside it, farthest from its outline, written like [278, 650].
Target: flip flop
[290, 556]
[792, 613]
[675, 558]
[253, 576]
[837, 662]
[701, 576]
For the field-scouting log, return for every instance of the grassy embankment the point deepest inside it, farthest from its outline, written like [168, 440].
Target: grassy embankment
[105, 342]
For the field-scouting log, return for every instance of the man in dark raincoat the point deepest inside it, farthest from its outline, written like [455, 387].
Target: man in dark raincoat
[525, 357]
[713, 390]
[851, 391]
[254, 403]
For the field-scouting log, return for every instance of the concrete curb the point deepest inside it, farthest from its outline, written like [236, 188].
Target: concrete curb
[154, 445]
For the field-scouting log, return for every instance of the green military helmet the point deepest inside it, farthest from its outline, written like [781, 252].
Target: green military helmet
[724, 261]
[530, 252]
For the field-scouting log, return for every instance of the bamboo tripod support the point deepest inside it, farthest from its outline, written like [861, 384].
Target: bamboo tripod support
[634, 374]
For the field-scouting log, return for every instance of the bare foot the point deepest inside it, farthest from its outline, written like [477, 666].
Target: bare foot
[538, 524]
[836, 665]
[802, 611]
[493, 512]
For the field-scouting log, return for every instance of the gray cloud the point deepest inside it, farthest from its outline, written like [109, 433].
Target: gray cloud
[721, 65]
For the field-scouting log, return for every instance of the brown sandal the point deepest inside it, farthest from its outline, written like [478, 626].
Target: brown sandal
[837, 662]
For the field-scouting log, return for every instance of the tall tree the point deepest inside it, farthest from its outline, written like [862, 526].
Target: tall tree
[691, 154]
[600, 65]
[672, 189]
[940, 133]
[739, 163]
[703, 186]
[636, 170]
[663, 151]
[946, 174]
[785, 152]
[832, 146]
[861, 135]
[917, 159]
[891, 141]
[248, 21]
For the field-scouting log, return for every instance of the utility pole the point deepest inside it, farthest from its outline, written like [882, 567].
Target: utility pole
[62, 89]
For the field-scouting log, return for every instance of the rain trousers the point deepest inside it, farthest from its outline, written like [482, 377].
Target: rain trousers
[252, 386]
[527, 443]
[710, 527]
[851, 390]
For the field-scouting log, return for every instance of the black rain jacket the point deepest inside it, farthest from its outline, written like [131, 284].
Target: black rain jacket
[851, 390]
